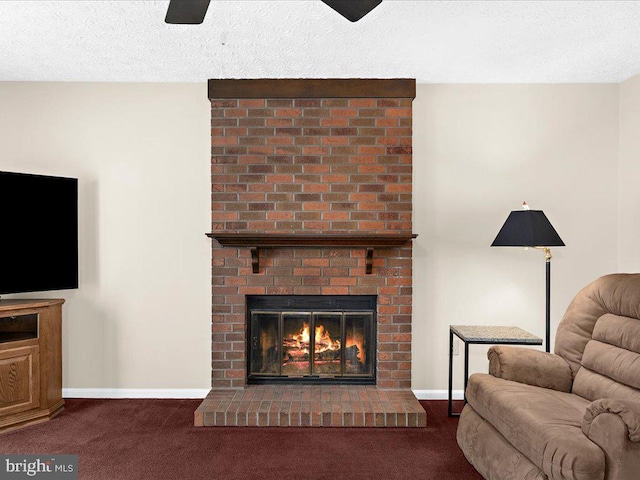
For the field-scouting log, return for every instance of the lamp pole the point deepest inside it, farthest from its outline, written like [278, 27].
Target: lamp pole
[547, 323]
[547, 341]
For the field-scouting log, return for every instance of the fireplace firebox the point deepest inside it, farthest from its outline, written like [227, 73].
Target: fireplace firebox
[313, 339]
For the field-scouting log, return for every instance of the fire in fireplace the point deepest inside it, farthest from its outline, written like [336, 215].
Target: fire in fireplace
[311, 339]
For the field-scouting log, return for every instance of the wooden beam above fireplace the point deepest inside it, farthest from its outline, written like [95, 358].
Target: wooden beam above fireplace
[313, 88]
[254, 241]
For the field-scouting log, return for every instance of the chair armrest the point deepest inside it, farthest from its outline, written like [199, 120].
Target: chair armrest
[627, 410]
[614, 425]
[532, 367]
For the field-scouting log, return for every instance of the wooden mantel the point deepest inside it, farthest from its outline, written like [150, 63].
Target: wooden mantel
[313, 88]
[255, 241]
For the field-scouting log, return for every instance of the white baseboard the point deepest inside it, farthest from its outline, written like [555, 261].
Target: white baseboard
[202, 392]
[134, 392]
[438, 394]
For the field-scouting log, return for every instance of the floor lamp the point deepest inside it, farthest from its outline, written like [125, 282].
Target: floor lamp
[531, 228]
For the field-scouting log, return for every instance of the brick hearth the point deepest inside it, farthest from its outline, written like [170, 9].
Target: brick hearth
[311, 157]
[310, 406]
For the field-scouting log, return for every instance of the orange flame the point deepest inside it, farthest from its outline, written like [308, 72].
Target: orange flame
[323, 341]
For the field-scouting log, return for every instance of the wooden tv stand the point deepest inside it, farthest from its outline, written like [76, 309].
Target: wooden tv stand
[30, 361]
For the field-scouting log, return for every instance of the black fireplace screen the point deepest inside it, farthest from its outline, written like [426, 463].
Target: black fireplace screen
[314, 339]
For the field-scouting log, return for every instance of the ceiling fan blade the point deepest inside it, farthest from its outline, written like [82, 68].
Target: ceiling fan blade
[189, 12]
[353, 10]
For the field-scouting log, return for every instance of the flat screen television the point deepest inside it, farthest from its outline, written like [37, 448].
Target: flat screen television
[38, 233]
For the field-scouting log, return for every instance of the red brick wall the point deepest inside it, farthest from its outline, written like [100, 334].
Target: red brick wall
[310, 166]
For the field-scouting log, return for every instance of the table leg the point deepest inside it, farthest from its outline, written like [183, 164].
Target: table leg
[466, 369]
[450, 406]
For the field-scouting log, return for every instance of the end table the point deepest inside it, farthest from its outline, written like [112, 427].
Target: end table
[479, 334]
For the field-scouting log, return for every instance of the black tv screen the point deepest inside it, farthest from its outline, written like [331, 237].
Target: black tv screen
[38, 233]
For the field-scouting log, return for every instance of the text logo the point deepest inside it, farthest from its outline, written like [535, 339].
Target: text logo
[49, 467]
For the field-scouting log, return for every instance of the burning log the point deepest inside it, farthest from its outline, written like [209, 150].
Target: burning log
[328, 355]
[351, 354]
[296, 355]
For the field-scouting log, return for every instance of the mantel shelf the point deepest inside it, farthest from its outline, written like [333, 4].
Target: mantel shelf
[254, 241]
[276, 240]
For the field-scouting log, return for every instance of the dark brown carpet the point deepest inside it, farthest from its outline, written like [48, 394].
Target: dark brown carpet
[155, 439]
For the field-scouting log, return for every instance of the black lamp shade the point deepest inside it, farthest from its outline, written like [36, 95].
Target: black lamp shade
[527, 228]
[353, 10]
[186, 12]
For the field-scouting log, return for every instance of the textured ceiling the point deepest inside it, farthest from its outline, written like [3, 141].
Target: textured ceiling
[432, 41]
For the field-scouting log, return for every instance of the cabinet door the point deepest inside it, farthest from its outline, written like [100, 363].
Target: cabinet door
[19, 379]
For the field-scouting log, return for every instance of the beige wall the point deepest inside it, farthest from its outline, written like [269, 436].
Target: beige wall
[479, 152]
[630, 175]
[140, 318]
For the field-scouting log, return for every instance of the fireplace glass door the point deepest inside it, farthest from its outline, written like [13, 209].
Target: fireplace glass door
[311, 346]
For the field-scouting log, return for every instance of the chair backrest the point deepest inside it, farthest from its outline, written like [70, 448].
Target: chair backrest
[599, 336]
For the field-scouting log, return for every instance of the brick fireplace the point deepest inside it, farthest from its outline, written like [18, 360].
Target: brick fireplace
[311, 186]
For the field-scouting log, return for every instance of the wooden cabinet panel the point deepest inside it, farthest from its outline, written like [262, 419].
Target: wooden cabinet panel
[19, 379]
